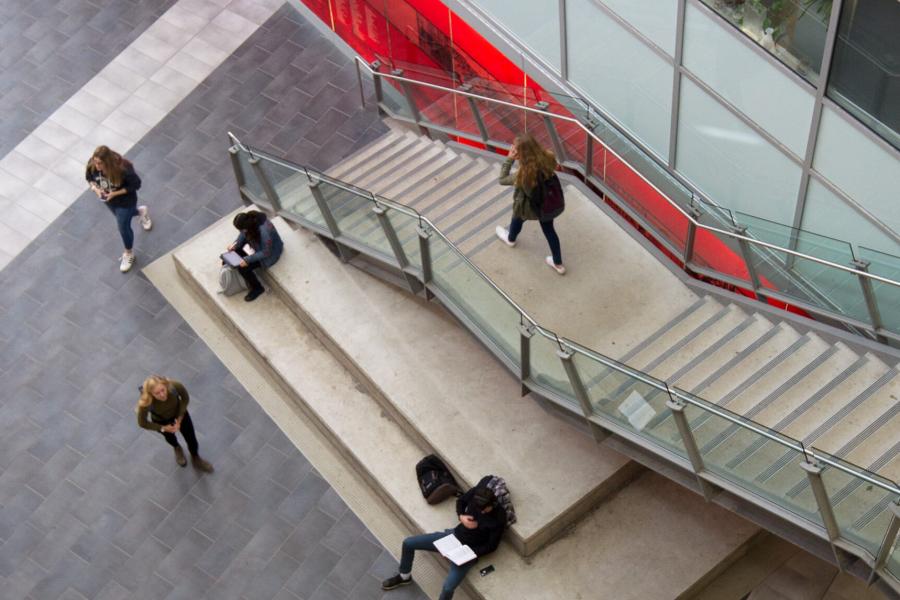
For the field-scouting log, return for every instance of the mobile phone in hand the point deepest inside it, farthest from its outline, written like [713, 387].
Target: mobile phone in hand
[487, 570]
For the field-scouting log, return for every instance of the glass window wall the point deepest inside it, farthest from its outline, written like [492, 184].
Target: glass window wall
[771, 98]
[865, 70]
[731, 163]
[861, 168]
[534, 22]
[826, 213]
[637, 92]
[656, 20]
[791, 30]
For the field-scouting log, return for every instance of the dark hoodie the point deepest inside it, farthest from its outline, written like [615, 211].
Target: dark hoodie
[485, 538]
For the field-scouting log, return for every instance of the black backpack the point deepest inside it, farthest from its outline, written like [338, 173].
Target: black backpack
[547, 200]
[435, 480]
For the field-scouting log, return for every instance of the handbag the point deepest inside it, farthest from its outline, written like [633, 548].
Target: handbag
[230, 281]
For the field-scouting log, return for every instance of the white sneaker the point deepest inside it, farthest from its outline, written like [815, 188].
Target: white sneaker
[503, 234]
[126, 263]
[558, 268]
[146, 223]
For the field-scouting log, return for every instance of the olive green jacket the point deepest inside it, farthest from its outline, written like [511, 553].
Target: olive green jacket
[521, 206]
[173, 407]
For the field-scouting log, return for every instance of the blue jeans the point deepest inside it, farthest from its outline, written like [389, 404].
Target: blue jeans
[123, 215]
[426, 542]
[515, 227]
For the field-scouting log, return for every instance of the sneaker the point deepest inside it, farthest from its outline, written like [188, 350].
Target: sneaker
[146, 223]
[558, 268]
[253, 295]
[201, 465]
[126, 263]
[503, 234]
[179, 457]
[395, 582]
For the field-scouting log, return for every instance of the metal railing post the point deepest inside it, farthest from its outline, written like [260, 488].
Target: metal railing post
[554, 135]
[476, 112]
[747, 255]
[890, 537]
[425, 253]
[690, 445]
[588, 155]
[391, 234]
[234, 156]
[565, 356]
[814, 475]
[871, 299]
[411, 102]
[526, 332]
[269, 191]
[362, 93]
[378, 84]
[695, 212]
[324, 209]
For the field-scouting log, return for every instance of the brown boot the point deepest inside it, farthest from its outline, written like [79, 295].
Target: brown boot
[201, 465]
[179, 456]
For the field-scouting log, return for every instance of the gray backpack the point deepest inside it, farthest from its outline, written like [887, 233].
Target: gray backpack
[230, 281]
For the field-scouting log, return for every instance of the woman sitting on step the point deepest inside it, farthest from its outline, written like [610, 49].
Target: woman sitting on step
[257, 230]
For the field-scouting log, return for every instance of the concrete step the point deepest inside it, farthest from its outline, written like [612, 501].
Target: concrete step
[383, 145]
[877, 441]
[420, 178]
[366, 175]
[511, 436]
[694, 323]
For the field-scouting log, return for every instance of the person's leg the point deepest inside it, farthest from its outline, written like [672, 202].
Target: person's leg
[179, 453]
[454, 578]
[515, 228]
[190, 436]
[123, 220]
[417, 542]
[254, 287]
[553, 241]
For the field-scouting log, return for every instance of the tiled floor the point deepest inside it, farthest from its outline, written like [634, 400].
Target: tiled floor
[90, 505]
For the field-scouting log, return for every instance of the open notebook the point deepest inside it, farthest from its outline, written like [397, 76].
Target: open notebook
[450, 547]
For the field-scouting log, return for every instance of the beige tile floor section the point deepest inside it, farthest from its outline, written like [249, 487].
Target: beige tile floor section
[44, 174]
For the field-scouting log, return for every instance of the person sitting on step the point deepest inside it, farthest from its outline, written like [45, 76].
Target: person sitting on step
[481, 524]
[257, 230]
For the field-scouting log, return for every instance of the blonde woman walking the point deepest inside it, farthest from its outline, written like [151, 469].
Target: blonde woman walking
[162, 407]
[535, 165]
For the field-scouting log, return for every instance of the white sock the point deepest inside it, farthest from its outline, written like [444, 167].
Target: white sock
[405, 576]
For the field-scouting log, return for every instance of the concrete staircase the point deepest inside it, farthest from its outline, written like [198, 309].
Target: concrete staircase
[415, 382]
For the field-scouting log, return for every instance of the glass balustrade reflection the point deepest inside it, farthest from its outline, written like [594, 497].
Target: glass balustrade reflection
[485, 307]
[404, 225]
[887, 295]
[355, 218]
[860, 507]
[252, 184]
[548, 372]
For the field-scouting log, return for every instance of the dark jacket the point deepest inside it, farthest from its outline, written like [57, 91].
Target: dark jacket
[270, 245]
[131, 183]
[156, 415]
[485, 538]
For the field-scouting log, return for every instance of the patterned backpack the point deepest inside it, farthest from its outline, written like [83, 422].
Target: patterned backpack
[501, 492]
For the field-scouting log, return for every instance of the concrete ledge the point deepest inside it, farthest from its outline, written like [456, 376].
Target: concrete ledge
[626, 535]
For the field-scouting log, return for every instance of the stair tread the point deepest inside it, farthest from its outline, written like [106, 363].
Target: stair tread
[662, 343]
[375, 148]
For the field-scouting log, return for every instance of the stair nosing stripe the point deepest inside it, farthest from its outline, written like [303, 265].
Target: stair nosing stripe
[664, 329]
[727, 337]
[822, 392]
[765, 337]
[694, 334]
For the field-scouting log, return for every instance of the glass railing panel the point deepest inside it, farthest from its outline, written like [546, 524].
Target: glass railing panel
[403, 224]
[634, 401]
[448, 111]
[503, 123]
[394, 100]
[488, 310]
[353, 213]
[547, 370]
[666, 221]
[251, 182]
[861, 509]
[893, 562]
[734, 449]
[886, 295]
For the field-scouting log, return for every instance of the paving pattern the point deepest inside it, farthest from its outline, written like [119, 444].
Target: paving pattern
[90, 505]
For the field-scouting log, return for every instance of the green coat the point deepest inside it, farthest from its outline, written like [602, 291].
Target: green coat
[521, 205]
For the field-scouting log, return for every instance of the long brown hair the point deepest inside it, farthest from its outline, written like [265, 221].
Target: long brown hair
[147, 390]
[114, 164]
[533, 159]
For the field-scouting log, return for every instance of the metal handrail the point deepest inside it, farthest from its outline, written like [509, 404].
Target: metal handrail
[611, 363]
[674, 204]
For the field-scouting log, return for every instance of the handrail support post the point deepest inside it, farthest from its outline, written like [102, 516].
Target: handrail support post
[690, 446]
[425, 253]
[871, 299]
[890, 538]
[747, 255]
[476, 112]
[551, 129]
[526, 332]
[691, 237]
[396, 247]
[823, 502]
[234, 155]
[565, 356]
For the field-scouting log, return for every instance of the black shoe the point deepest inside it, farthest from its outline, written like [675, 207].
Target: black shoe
[395, 582]
[253, 294]
[179, 456]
